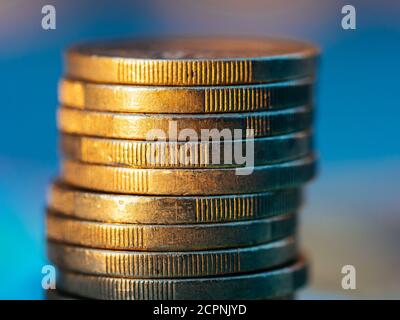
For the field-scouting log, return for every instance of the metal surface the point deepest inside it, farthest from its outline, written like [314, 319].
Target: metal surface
[185, 237]
[140, 126]
[263, 285]
[188, 181]
[172, 264]
[192, 61]
[119, 208]
[207, 154]
[151, 99]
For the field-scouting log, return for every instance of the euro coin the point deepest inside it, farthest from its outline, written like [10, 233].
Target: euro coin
[190, 62]
[184, 264]
[168, 154]
[151, 99]
[185, 237]
[119, 208]
[183, 127]
[262, 285]
[188, 181]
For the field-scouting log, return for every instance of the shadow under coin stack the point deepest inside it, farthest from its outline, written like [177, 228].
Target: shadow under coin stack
[133, 217]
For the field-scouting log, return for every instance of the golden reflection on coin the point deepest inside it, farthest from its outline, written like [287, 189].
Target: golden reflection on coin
[183, 127]
[151, 99]
[192, 61]
[184, 237]
[119, 208]
[262, 285]
[188, 181]
[179, 264]
[163, 154]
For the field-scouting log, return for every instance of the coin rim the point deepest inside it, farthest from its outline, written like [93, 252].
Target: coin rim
[140, 237]
[176, 264]
[184, 100]
[294, 276]
[93, 205]
[125, 152]
[129, 180]
[118, 69]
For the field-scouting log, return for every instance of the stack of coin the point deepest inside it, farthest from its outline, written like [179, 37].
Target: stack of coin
[183, 166]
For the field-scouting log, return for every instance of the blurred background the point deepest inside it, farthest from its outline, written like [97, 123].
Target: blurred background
[352, 212]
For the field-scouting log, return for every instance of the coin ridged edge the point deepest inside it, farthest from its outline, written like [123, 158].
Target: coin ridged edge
[187, 181]
[136, 126]
[118, 208]
[268, 284]
[190, 72]
[117, 98]
[172, 264]
[166, 154]
[138, 237]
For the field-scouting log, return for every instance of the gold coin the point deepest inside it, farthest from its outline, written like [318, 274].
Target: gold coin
[184, 237]
[262, 285]
[191, 62]
[177, 127]
[188, 181]
[123, 98]
[139, 264]
[163, 154]
[118, 208]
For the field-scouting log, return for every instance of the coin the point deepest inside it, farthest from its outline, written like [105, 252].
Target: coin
[188, 181]
[118, 208]
[184, 237]
[151, 99]
[139, 264]
[261, 285]
[182, 127]
[183, 162]
[163, 154]
[195, 61]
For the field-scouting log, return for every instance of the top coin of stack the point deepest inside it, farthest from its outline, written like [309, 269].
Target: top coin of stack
[142, 209]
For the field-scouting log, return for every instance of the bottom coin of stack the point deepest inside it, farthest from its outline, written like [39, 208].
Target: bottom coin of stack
[115, 255]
